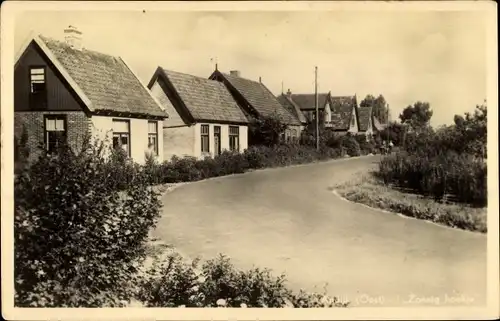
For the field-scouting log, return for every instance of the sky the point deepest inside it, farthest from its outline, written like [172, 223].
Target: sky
[433, 56]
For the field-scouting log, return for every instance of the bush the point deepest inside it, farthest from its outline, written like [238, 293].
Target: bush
[257, 157]
[267, 131]
[350, 145]
[78, 238]
[366, 146]
[445, 162]
[189, 169]
[217, 283]
[231, 163]
[460, 175]
[21, 151]
[119, 170]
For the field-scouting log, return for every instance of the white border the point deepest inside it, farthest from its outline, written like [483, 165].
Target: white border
[9, 11]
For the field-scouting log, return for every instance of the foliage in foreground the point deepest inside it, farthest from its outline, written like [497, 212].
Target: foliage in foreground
[372, 192]
[83, 243]
[217, 283]
[78, 239]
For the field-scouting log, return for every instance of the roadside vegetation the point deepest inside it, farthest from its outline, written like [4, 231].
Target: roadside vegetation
[438, 175]
[84, 242]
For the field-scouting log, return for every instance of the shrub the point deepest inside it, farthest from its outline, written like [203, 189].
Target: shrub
[366, 146]
[78, 239]
[152, 170]
[460, 175]
[257, 157]
[21, 151]
[231, 163]
[119, 170]
[266, 131]
[351, 145]
[217, 283]
[445, 162]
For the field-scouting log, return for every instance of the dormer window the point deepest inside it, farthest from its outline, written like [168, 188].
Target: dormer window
[38, 88]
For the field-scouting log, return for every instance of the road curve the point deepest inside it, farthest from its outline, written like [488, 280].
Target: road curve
[288, 220]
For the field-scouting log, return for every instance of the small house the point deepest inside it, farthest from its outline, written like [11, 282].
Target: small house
[365, 115]
[306, 104]
[64, 93]
[338, 113]
[204, 118]
[257, 101]
[345, 117]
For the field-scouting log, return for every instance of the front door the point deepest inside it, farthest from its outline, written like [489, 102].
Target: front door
[217, 149]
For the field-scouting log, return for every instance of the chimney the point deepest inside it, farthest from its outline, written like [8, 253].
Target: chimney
[260, 79]
[289, 93]
[73, 37]
[235, 73]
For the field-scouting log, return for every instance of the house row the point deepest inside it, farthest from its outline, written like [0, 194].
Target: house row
[340, 114]
[63, 91]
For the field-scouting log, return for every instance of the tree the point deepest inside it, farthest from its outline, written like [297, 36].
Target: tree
[418, 116]
[379, 107]
[472, 130]
[266, 131]
[393, 132]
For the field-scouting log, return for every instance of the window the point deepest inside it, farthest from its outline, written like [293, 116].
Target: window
[217, 146]
[38, 88]
[234, 138]
[295, 137]
[121, 135]
[153, 136]
[205, 139]
[55, 132]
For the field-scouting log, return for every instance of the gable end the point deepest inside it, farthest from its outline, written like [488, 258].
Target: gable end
[60, 96]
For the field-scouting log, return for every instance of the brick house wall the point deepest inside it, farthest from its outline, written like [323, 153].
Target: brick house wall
[78, 125]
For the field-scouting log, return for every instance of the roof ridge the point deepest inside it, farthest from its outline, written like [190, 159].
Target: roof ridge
[322, 93]
[239, 77]
[47, 38]
[190, 75]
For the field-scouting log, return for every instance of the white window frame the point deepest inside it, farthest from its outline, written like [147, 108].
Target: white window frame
[205, 136]
[121, 134]
[234, 136]
[153, 135]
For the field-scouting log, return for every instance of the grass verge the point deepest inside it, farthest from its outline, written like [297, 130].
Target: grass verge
[367, 190]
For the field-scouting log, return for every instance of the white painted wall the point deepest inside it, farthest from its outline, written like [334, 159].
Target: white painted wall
[178, 141]
[102, 129]
[243, 145]
[353, 127]
[328, 113]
